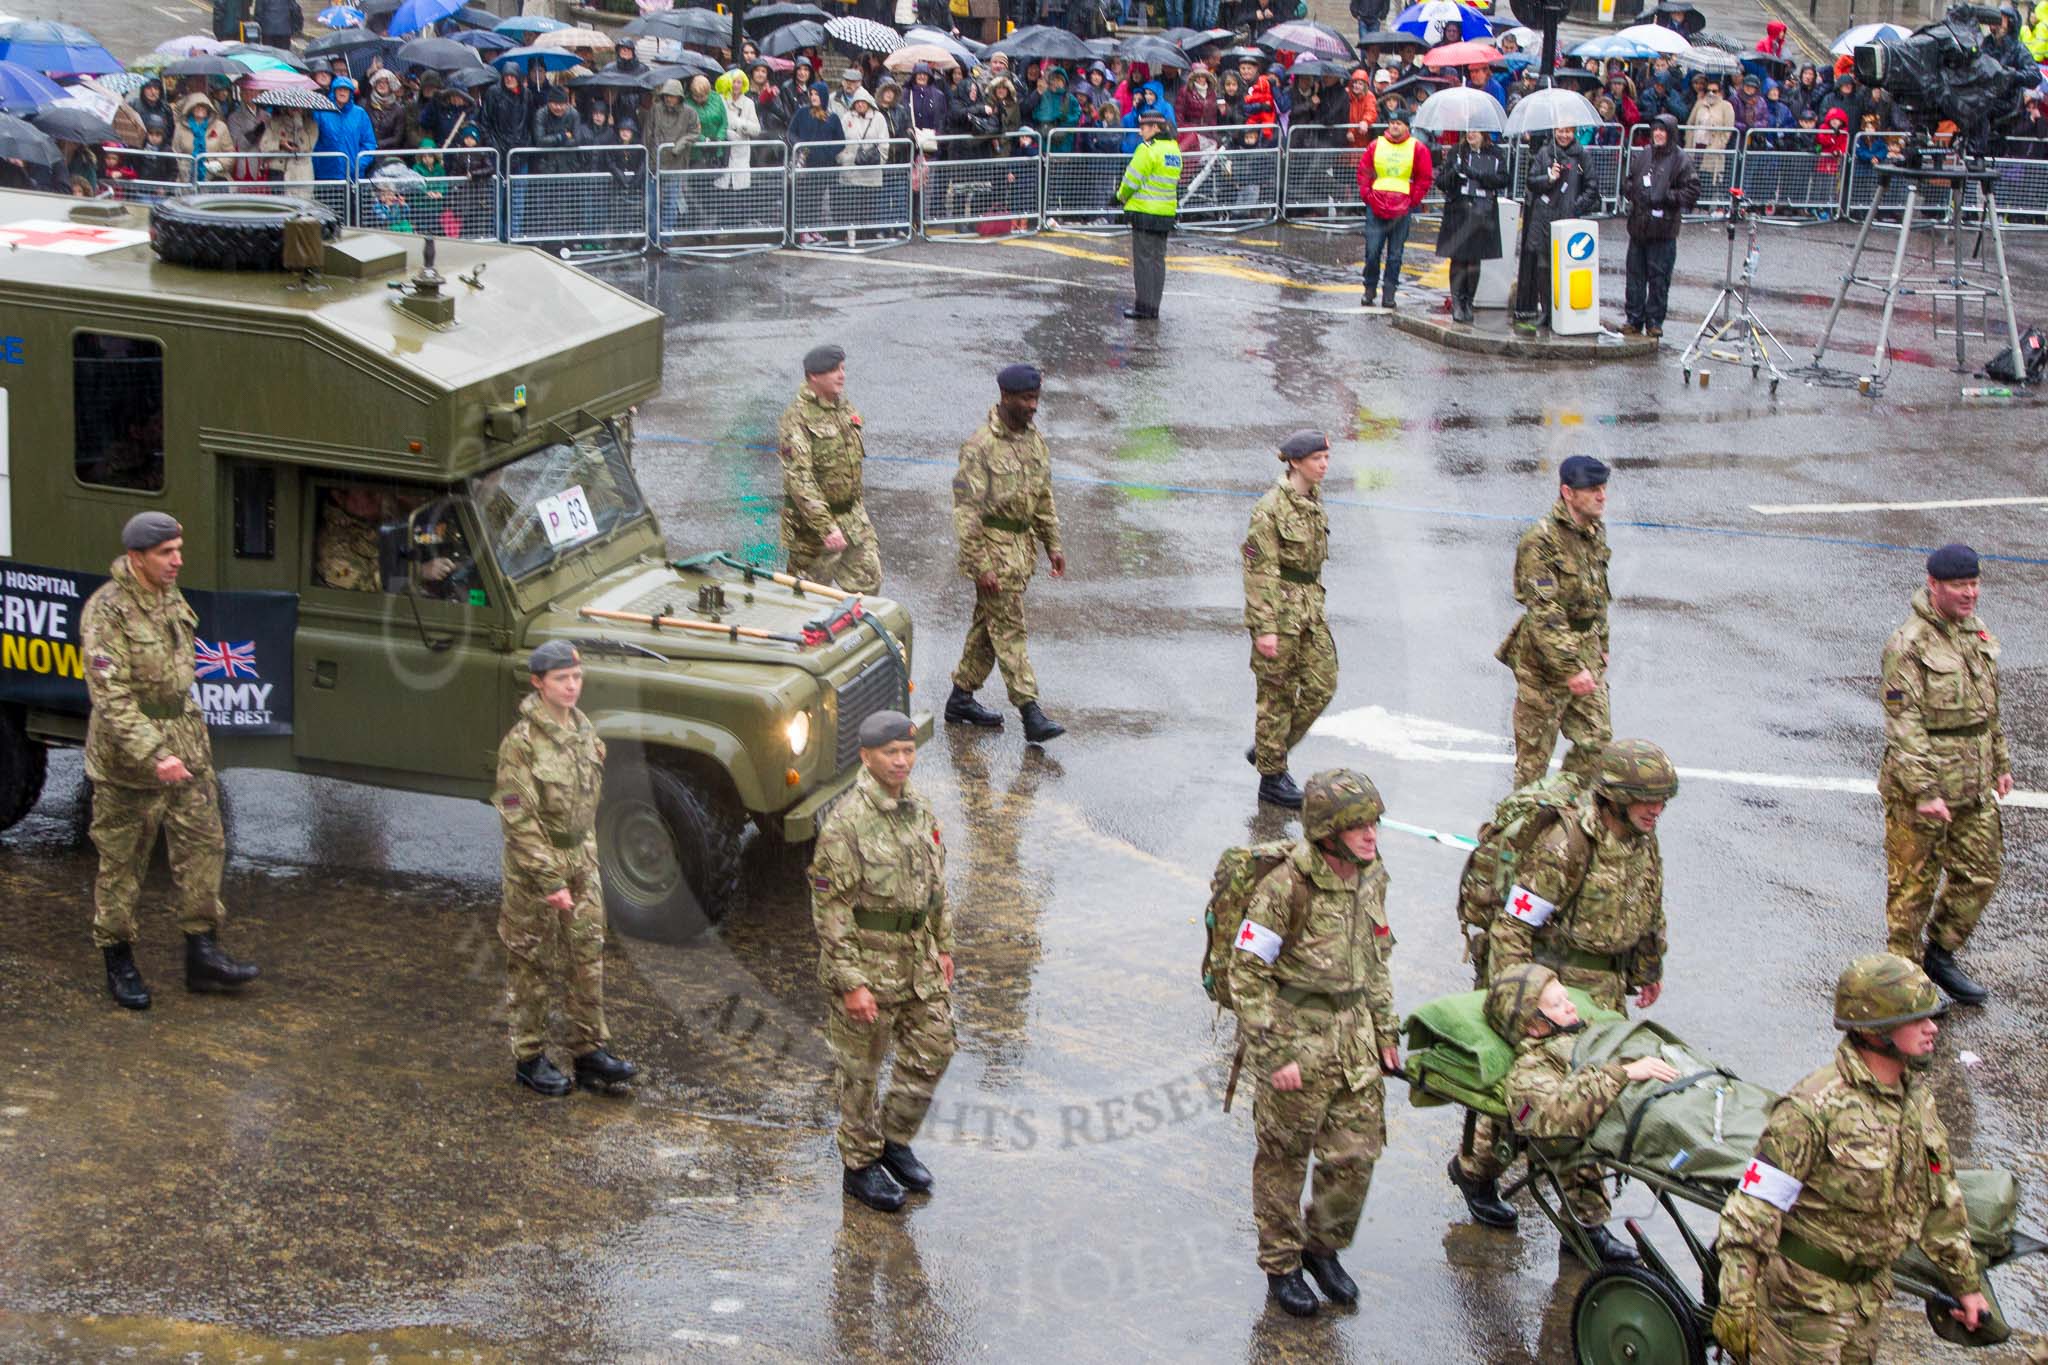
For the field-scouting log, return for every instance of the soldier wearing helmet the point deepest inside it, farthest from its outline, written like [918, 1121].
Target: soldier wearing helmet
[1853, 1164]
[1589, 898]
[1527, 1005]
[1316, 1008]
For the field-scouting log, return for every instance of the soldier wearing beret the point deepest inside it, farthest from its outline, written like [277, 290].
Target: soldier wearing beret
[551, 915]
[1945, 766]
[151, 762]
[1002, 513]
[1558, 649]
[825, 526]
[885, 958]
[1294, 661]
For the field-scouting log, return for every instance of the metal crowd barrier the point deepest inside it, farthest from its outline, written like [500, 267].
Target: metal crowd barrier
[1716, 165]
[159, 176]
[450, 193]
[1319, 183]
[1607, 161]
[1792, 169]
[850, 205]
[1231, 180]
[980, 196]
[266, 172]
[1083, 167]
[2022, 187]
[722, 199]
[581, 201]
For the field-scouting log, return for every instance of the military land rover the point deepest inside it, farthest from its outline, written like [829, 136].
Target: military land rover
[391, 491]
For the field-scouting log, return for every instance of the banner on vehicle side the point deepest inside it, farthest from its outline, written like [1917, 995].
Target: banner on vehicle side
[242, 652]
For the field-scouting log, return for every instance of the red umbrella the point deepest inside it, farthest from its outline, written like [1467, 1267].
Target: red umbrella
[1473, 53]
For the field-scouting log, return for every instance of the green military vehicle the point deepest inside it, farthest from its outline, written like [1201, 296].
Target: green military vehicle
[399, 469]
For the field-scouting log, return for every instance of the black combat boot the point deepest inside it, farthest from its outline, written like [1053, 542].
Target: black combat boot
[904, 1165]
[963, 709]
[1134, 311]
[1278, 789]
[124, 983]
[597, 1069]
[1292, 1293]
[1943, 970]
[1610, 1249]
[538, 1073]
[207, 968]
[1482, 1197]
[1039, 727]
[874, 1186]
[1337, 1286]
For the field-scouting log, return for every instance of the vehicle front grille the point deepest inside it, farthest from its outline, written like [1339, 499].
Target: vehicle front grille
[877, 687]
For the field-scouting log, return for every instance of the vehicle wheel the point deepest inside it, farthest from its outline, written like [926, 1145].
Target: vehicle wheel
[231, 231]
[669, 851]
[1631, 1315]
[23, 764]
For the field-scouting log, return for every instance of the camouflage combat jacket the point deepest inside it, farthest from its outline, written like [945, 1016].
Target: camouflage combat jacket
[1873, 1165]
[1941, 730]
[1561, 582]
[549, 779]
[1327, 999]
[345, 553]
[822, 450]
[878, 895]
[1283, 560]
[1609, 892]
[1002, 500]
[1547, 1099]
[138, 676]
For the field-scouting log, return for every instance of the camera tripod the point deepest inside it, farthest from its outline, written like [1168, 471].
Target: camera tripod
[1926, 167]
[1731, 319]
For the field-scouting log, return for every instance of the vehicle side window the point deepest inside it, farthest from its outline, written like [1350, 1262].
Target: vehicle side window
[377, 538]
[117, 386]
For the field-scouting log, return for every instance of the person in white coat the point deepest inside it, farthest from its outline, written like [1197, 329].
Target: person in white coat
[742, 125]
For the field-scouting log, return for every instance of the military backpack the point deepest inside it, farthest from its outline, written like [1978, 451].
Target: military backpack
[1522, 817]
[1238, 873]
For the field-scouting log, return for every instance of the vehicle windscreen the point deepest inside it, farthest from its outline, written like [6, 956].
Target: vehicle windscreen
[546, 503]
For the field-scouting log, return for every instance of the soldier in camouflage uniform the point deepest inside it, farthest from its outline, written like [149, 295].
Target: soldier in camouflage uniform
[1315, 1005]
[885, 958]
[151, 762]
[551, 917]
[345, 549]
[1945, 766]
[1547, 1099]
[1294, 661]
[1558, 649]
[1853, 1164]
[825, 526]
[1589, 898]
[1002, 512]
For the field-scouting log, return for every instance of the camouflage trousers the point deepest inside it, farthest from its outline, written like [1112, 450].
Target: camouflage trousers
[1479, 1158]
[125, 821]
[857, 568]
[1804, 1318]
[1970, 849]
[1293, 687]
[1541, 711]
[996, 635]
[1344, 1129]
[543, 943]
[922, 1031]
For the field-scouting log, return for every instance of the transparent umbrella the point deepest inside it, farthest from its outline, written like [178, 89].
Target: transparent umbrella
[1659, 39]
[1542, 110]
[1460, 109]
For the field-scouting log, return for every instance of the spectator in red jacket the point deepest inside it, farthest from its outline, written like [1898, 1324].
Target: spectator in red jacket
[1394, 173]
[1773, 40]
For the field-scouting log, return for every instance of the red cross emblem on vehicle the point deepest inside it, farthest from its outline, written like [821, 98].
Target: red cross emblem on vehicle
[28, 236]
[1247, 936]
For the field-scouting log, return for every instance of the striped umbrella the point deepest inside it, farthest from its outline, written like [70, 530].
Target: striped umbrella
[290, 97]
[863, 34]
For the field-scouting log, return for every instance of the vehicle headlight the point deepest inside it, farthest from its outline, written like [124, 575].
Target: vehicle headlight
[798, 732]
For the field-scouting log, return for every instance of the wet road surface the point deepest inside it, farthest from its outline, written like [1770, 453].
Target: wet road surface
[339, 1167]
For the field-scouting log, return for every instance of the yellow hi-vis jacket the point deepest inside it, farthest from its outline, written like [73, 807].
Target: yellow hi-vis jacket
[1152, 181]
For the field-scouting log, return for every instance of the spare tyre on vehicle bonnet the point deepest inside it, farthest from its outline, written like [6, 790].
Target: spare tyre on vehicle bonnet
[232, 231]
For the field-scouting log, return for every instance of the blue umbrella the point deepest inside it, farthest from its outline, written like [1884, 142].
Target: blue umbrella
[414, 15]
[1418, 19]
[523, 24]
[339, 16]
[554, 58]
[66, 48]
[483, 40]
[22, 89]
[470, 17]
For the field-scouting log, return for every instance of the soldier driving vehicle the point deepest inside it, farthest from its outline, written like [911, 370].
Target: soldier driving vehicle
[507, 514]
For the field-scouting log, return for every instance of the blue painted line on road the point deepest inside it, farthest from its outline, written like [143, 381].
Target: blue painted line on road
[1368, 504]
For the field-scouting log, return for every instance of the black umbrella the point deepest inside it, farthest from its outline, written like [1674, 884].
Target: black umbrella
[346, 40]
[276, 54]
[1783, 65]
[1153, 52]
[484, 40]
[1103, 48]
[1256, 56]
[471, 18]
[1389, 37]
[469, 78]
[690, 64]
[766, 18]
[1721, 41]
[699, 26]
[20, 142]
[1209, 38]
[1682, 15]
[372, 8]
[207, 66]
[1310, 66]
[793, 38]
[610, 80]
[1037, 42]
[438, 54]
[69, 123]
[1579, 73]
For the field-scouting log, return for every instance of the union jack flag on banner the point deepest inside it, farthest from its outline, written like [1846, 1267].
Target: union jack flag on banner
[225, 659]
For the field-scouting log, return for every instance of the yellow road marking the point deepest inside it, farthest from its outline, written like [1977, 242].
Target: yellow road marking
[1196, 265]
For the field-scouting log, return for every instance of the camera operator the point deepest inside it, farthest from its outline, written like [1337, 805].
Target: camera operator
[2002, 42]
[1661, 188]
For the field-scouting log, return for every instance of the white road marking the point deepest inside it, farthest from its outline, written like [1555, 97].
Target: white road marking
[1421, 739]
[1788, 509]
[726, 1306]
[704, 1338]
[703, 1199]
